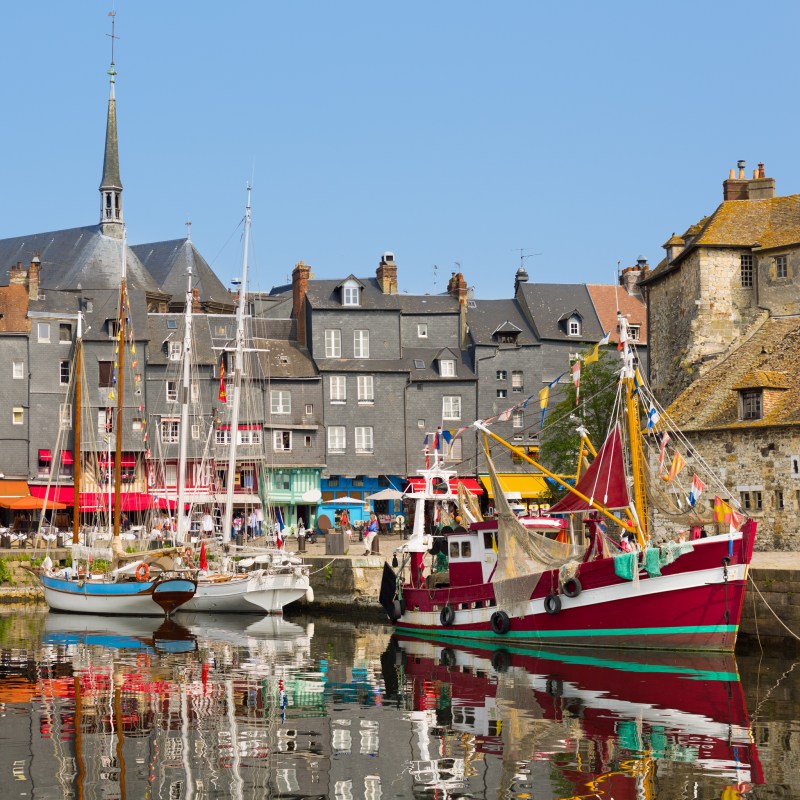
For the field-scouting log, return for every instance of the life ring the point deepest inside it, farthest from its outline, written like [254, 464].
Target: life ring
[188, 554]
[142, 572]
[571, 587]
[500, 622]
[447, 616]
[552, 604]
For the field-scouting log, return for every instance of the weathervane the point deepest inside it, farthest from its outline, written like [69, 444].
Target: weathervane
[113, 14]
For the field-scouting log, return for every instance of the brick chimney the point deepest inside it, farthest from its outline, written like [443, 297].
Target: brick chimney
[630, 276]
[387, 274]
[300, 277]
[33, 279]
[759, 187]
[196, 307]
[18, 276]
[457, 287]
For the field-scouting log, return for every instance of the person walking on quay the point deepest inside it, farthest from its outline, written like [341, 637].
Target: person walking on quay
[252, 524]
[372, 533]
[207, 524]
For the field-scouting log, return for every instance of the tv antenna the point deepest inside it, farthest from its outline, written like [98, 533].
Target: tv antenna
[113, 15]
[523, 255]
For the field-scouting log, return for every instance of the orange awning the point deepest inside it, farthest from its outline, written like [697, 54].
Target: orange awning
[29, 503]
[9, 488]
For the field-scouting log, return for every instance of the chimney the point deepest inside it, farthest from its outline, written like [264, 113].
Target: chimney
[674, 246]
[457, 287]
[520, 278]
[387, 274]
[17, 276]
[300, 277]
[196, 307]
[736, 188]
[761, 187]
[33, 279]
[630, 276]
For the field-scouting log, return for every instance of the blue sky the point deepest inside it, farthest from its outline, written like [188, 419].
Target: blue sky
[445, 131]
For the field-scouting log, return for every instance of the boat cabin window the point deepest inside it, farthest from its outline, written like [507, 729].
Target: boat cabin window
[465, 549]
[488, 540]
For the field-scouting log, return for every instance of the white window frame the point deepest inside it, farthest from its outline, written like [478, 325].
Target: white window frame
[43, 332]
[309, 409]
[278, 441]
[518, 419]
[195, 430]
[447, 368]
[422, 330]
[18, 415]
[338, 388]
[337, 439]
[280, 401]
[351, 295]
[18, 370]
[502, 394]
[366, 390]
[365, 439]
[574, 326]
[517, 381]
[174, 351]
[222, 436]
[634, 332]
[361, 343]
[171, 391]
[248, 436]
[61, 380]
[170, 430]
[333, 343]
[451, 407]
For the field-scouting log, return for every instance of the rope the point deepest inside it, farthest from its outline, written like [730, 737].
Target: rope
[322, 568]
[788, 630]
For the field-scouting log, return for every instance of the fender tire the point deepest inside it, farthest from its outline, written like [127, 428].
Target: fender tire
[571, 587]
[500, 622]
[397, 610]
[552, 604]
[447, 616]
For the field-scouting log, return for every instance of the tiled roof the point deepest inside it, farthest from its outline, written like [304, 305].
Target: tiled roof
[769, 355]
[607, 298]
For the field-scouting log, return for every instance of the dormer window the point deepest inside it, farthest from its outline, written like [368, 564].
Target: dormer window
[574, 325]
[751, 405]
[634, 332]
[447, 368]
[351, 294]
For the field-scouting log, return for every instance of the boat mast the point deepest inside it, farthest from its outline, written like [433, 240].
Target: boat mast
[120, 390]
[237, 382]
[185, 394]
[76, 445]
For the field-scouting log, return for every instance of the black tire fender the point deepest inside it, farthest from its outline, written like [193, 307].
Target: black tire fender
[447, 616]
[397, 610]
[571, 587]
[552, 603]
[500, 622]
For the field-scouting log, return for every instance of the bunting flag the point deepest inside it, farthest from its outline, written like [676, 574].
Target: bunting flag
[505, 416]
[203, 556]
[678, 463]
[652, 417]
[223, 395]
[576, 379]
[544, 397]
[637, 382]
[722, 511]
[279, 529]
[697, 489]
[447, 436]
[594, 354]
[661, 451]
[623, 336]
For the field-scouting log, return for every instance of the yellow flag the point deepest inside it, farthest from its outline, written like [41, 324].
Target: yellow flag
[593, 356]
[544, 396]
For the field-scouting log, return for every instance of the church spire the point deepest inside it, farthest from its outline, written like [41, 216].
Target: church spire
[111, 184]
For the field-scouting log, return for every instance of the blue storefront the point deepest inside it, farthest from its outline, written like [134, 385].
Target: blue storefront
[341, 492]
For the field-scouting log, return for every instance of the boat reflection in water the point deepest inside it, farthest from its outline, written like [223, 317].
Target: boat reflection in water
[625, 721]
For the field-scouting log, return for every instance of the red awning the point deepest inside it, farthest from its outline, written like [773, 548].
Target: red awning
[45, 455]
[61, 494]
[128, 460]
[131, 501]
[67, 457]
[417, 484]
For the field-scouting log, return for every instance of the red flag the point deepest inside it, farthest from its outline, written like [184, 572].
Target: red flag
[223, 395]
[203, 558]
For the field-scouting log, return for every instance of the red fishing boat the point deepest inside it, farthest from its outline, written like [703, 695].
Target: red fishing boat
[610, 577]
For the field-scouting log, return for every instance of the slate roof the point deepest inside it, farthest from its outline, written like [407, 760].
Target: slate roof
[489, 316]
[768, 359]
[428, 303]
[430, 372]
[607, 298]
[75, 257]
[104, 307]
[159, 332]
[546, 303]
[168, 262]
[325, 294]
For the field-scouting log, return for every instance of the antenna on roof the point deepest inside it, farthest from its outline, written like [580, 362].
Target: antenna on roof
[113, 14]
[523, 255]
[188, 224]
[435, 270]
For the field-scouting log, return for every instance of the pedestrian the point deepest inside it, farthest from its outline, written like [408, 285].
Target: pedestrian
[372, 533]
[252, 523]
[237, 525]
[207, 524]
[259, 520]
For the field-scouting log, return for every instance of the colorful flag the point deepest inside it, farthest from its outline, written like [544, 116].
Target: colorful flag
[223, 395]
[505, 416]
[722, 511]
[593, 355]
[203, 557]
[697, 489]
[576, 379]
[637, 381]
[623, 333]
[678, 463]
[652, 417]
[661, 452]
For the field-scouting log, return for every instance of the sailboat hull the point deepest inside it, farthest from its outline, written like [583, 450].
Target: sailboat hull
[134, 598]
[252, 593]
[695, 604]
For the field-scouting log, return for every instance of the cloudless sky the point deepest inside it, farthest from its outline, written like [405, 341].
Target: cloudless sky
[445, 131]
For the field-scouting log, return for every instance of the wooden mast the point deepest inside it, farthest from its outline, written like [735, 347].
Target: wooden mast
[120, 394]
[76, 446]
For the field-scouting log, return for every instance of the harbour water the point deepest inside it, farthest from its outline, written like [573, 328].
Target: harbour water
[249, 707]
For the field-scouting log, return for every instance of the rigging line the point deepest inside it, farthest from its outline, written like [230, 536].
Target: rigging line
[788, 629]
[227, 242]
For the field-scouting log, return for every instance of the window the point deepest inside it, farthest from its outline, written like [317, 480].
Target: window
[44, 332]
[364, 440]
[751, 405]
[195, 431]
[795, 465]
[172, 391]
[106, 374]
[360, 344]
[420, 423]
[175, 351]
[222, 436]
[574, 326]
[781, 267]
[419, 363]
[137, 424]
[336, 439]
[333, 481]
[18, 416]
[18, 369]
[65, 333]
[751, 500]
[502, 393]
[280, 401]
[171, 474]
[105, 420]
[112, 326]
[517, 419]
[220, 329]
[779, 500]
[451, 407]
[65, 415]
[365, 389]
[63, 373]
[447, 368]
[169, 431]
[282, 441]
[634, 332]
[422, 330]
[453, 450]
[307, 440]
[338, 389]
[350, 296]
[333, 343]
[309, 409]
[282, 481]
[502, 375]
[746, 270]
[517, 382]
[172, 324]
[248, 436]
